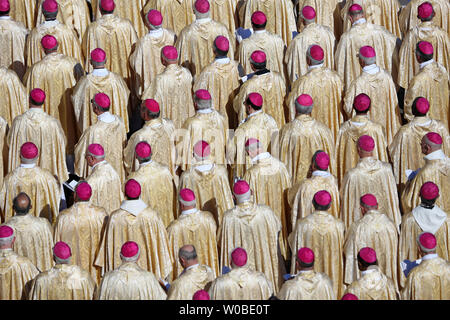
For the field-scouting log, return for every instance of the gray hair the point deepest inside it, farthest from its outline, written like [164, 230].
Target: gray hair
[28, 161]
[303, 109]
[96, 64]
[131, 259]
[203, 104]
[186, 254]
[96, 157]
[313, 61]
[368, 61]
[6, 241]
[199, 15]
[61, 261]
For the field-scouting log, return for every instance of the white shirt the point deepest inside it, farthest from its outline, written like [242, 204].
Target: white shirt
[103, 72]
[156, 33]
[5, 18]
[436, 155]
[204, 20]
[204, 111]
[145, 163]
[315, 66]
[319, 173]
[98, 164]
[429, 256]
[259, 31]
[106, 117]
[359, 21]
[371, 69]
[261, 156]
[28, 165]
[186, 212]
[204, 167]
[223, 60]
[424, 64]
[367, 271]
[51, 23]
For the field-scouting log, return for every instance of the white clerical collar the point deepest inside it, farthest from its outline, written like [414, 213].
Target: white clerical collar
[104, 161]
[5, 18]
[28, 165]
[50, 23]
[317, 66]
[186, 212]
[36, 110]
[358, 124]
[359, 21]
[204, 167]
[192, 267]
[204, 111]
[368, 271]
[103, 72]
[106, 117]
[145, 163]
[223, 60]
[421, 124]
[157, 33]
[429, 256]
[254, 113]
[436, 155]
[371, 69]
[259, 31]
[204, 20]
[320, 173]
[424, 64]
[106, 15]
[261, 156]
[133, 206]
[303, 271]
[429, 220]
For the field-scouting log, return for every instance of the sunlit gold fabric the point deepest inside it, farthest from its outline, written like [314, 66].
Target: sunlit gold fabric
[198, 277]
[14, 98]
[16, 273]
[3, 147]
[12, 39]
[308, 285]
[45, 131]
[130, 282]
[24, 11]
[224, 11]
[324, 235]
[176, 14]
[255, 228]
[327, 14]
[81, 226]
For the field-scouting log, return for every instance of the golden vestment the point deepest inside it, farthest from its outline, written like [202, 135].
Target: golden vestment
[12, 39]
[295, 57]
[145, 60]
[24, 11]
[192, 279]
[255, 228]
[365, 34]
[116, 36]
[39, 184]
[308, 285]
[157, 189]
[280, 13]
[34, 239]
[383, 95]
[45, 131]
[199, 229]
[377, 231]
[14, 98]
[195, 44]
[130, 282]
[327, 14]
[16, 272]
[63, 282]
[173, 90]
[269, 180]
[211, 188]
[432, 83]
[3, 147]
[369, 176]
[405, 149]
[55, 75]
[143, 226]
[271, 86]
[221, 79]
[113, 138]
[106, 187]
[347, 143]
[88, 86]
[373, 285]
[73, 13]
[325, 87]
[299, 140]
[81, 226]
[324, 235]
[225, 11]
[176, 14]
[68, 42]
[241, 283]
[428, 281]
[425, 31]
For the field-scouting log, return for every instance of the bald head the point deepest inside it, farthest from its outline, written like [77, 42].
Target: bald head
[428, 146]
[187, 256]
[22, 204]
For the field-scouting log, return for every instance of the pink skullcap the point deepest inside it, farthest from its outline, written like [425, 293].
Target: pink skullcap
[434, 137]
[222, 43]
[154, 17]
[368, 255]
[362, 102]
[129, 249]
[187, 195]
[96, 149]
[62, 250]
[425, 10]
[367, 52]
[152, 105]
[366, 143]
[241, 187]
[305, 255]
[203, 94]
[355, 8]
[322, 198]
[107, 5]
[251, 141]
[427, 241]
[132, 189]
[349, 296]
[202, 6]
[256, 99]
[425, 47]
[29, 150]
[37, 95]
[429, 191]
[202, 149]
[4, 6]
[6, 232]
[98, 55]
[322, 160]
[258, 18]
[422, 105]
[239, 257]
[50, 6]
[308, 12]
[143, 150]
[258, 56]
[102, 100]
[170, 52]
[201, 295]
[83, 191]
[49, 42]
[369, 200]
[305, 100]
[316, 52]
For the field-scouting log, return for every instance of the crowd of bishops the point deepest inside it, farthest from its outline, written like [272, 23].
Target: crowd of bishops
[224, 150]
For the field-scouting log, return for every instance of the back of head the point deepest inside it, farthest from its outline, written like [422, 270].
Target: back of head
[367, 257]
[315, 55]
[321, 160]
[107, 6]
[322, 200]
[6, 237]
[202, 99]
[238, 257]
[308, 14]
[362, 103]
[102, 102]
[50, 9]
[420, 107]
[258, 60]
[425, 12]
[201, 9]
[259, 20]
[154, 19]
[424, 51]
[427, 242]
[143, 151]
[98, 58]
[305, 258]
[62, 253]
[29, 153]
[150, 109]
[367, 55]
[304, 104]
[4, 7]
[22, 204]
[429, 192]
[129, 251]
[188, 254]
[355, 12]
